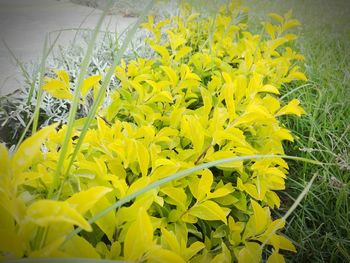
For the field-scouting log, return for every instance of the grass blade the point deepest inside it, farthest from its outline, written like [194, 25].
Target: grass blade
[105, 83]
[74, 106]
[40, 91]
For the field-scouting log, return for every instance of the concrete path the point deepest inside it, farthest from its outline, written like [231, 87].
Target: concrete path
[24, 23]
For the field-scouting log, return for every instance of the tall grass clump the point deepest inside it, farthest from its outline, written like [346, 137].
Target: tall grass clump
[185, 163]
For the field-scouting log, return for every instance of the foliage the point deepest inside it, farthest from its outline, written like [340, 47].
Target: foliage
[211, 92]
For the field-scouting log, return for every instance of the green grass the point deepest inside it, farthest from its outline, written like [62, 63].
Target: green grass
[320, 226]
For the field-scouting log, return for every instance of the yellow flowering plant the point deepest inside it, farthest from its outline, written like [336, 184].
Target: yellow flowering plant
[210, 93]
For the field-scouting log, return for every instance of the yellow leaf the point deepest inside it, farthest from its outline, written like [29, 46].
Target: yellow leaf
[46, 212]
[290, 23]
[63, 76]
[208, 210]
[269, 88]
[224, 256]
[240, 84]
[30, 148]
[291, 108]
[227, 92]
[175, 39]
[57, 88]
[142, 157]
[107, 223]
[193, 250]
[284, 134]
[161, 255]
[171, 241]
[186, 73]
[204, 185]
[4, 160]
[162, 96]
[260, 217]
[225, 154]
[207, 100]
[275, 257]
[177, 195]
[193, 130]
[163, 52]
[280, 242]
[296, 75]
[90, 82]
[115, 250]
[11, 244]
[139, 237]
[270, 29]
[277, 17]
[222, 191]
[182, 52]
[171, 74]
[274, 226]
[49, 250]
[79, 247]
[84, 200]
[250, 253]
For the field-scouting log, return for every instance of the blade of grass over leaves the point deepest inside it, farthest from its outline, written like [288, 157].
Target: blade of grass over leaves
[75, 103]
[40, 91]
[46, 51]
[105, 83]
[35, 116]
[181, 174]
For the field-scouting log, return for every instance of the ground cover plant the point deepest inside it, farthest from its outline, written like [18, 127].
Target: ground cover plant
[209, 102]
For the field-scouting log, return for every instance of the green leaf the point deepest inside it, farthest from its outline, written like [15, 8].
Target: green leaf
[208, 210]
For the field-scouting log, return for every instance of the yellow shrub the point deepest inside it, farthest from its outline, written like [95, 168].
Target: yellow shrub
[211, 92]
